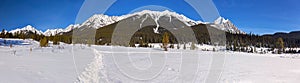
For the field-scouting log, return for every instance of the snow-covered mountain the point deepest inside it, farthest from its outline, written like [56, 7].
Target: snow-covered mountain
[226, 25]
[26, 29]
[100, 20]
[58, 31]
[52, 32]
[48, 32]
[71, 27]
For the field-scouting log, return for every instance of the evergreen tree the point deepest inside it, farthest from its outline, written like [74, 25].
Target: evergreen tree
[280, 45]
[193, 46]
[8, 35]
[184, 46]
[22, 36]
[172, 46]
[165, 41]
[131, 44]
[141, 42]
[36, 36]
[51, 37]
[235, 48]
[44, 42]
[56, 40]
[2, 34]
[89, 42]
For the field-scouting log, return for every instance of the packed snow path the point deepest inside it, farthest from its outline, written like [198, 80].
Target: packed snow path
[94, 73]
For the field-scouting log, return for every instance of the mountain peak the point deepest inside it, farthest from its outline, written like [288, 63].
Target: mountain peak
[52, 32]
[29, 27]
[100, 20]
[221, 20]
[26, 29]
[157, 14]
[226, 25]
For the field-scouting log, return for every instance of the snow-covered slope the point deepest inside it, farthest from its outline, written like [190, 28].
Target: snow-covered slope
[71, 27]
[52, 32]
[48, 32]
[26, 29]
[67, 63]
[59, 30]
[227, 25]
[100, 20]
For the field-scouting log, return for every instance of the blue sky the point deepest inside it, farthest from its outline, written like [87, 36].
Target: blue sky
[257, 16]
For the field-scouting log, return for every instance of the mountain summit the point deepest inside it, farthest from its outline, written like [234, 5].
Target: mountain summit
[26, 29]
[226, 25]
[100, 20]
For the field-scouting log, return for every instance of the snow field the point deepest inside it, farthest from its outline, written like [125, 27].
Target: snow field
[79, 63]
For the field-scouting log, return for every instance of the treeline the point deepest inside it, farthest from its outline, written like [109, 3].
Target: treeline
[235, 42]
[276, 44]
[37, 37]
[21, 35]
[146, 35]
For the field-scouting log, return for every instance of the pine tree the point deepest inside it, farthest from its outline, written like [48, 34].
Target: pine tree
[280, 45]
[141, 42]
[235, 48]
[184, 46]
[2, 34]
[131, 44]
[56, 40]
[8, 35]
[89, 42]
[165, 41]
[36, 36]
[51, 37]
[22, 36]
[44, 42]
[193, 46]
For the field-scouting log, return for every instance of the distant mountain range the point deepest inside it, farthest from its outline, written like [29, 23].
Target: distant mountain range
[27, 29]
[99, 20]
[99, 29]
[48, 32]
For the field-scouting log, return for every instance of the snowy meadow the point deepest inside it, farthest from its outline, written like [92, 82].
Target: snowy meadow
[26, 62]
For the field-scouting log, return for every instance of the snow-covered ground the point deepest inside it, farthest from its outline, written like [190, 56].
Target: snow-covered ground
[79, 63]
